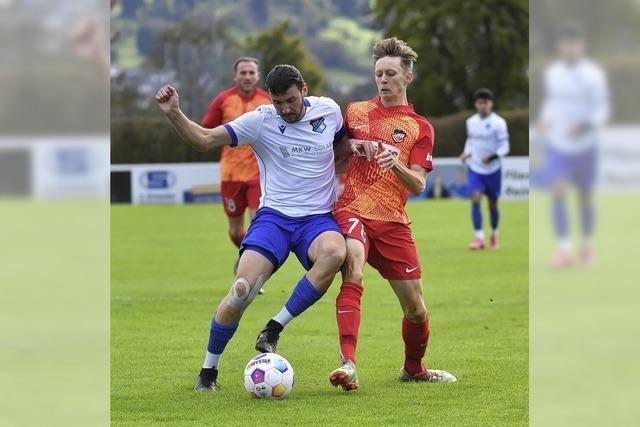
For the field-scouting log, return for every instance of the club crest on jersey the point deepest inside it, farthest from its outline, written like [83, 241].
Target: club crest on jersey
[318, 125]
[399, 135]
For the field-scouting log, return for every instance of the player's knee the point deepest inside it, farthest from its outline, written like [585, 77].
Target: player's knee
[334, 255]
[352, 272]
[416, 313]
[242, 293]
[236, 232]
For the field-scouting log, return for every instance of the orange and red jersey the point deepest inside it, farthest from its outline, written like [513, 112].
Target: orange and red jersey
[369, 192]
[237, 163]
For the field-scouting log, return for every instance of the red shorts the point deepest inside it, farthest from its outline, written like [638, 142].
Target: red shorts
[236, 196]
[388, 246]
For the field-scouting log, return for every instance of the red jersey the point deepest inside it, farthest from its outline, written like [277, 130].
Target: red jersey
[237, 163]
[369, 192]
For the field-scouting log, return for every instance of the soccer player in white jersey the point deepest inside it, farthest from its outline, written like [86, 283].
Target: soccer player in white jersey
[575, 107]
[293, 141]
[487, 142]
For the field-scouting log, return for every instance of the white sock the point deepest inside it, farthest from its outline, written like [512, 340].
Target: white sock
[565, 245]
[480, 234]
[211, 360]
[283, 317]
[494, 232]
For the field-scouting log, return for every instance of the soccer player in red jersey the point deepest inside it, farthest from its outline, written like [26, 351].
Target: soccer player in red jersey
[239, 174]
[392, 147]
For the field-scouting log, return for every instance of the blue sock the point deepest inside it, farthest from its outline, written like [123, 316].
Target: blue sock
[495, 217]
[476, 216]
[560, 221]
[587, 217]
[304, 295]
[219, 336]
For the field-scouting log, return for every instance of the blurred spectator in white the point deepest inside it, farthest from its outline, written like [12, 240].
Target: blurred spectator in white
[576, 105]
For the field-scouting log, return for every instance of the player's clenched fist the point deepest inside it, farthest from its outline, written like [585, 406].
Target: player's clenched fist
[167, 99]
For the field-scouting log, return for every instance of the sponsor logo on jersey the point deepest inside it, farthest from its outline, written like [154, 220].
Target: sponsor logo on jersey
[285, 152]
[282, 129]
[429, 157]
[318, 125]
[399, 135]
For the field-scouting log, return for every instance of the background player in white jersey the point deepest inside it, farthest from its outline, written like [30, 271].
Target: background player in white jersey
[487, 142]
[293, 142]
[576, 105]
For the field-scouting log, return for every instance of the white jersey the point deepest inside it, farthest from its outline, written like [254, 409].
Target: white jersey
[486, 137]
[576, 96]
[297, 173]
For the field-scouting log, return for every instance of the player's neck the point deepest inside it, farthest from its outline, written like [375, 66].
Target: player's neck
[394, 101]
[246, 94]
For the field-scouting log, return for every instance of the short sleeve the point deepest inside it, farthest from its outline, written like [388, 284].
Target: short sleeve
[246, 128]
[340, 125]
[422, 151]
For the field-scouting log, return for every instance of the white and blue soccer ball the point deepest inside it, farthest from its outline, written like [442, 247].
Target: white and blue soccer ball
[268, 376]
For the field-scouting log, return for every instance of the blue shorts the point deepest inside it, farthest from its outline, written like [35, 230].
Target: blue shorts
[490, 184]
[274, 235]
[579, 169]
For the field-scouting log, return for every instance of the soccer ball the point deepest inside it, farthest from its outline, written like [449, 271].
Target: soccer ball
[268, 376]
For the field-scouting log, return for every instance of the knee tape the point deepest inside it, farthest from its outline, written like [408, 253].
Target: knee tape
[242, 293]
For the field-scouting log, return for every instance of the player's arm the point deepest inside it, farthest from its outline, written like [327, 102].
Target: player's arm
[356, 147]
[213, 116]
[466, 152]
[192, 133]
[413, 178]
[502, 136]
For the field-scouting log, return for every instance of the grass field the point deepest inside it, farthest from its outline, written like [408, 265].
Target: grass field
[170, 265]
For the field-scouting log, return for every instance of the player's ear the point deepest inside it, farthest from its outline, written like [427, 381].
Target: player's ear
[408, 77]
[305, 89]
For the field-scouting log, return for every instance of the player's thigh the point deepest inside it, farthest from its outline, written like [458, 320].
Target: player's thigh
[318, 238]
[493, 185]
[269, 236]
[254, 267]
[410, 297]
[354, 230]
[475, 182]
[393, 251]
[353, 267]
[233, 198]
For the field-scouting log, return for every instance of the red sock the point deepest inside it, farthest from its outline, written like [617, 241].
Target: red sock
[348, 317]
[416, 337]
[236, 241]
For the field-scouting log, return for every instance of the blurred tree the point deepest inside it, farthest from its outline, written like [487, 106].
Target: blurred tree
[276, 46]
[462, 45]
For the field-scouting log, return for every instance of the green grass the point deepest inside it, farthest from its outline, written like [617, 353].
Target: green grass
[172, 264]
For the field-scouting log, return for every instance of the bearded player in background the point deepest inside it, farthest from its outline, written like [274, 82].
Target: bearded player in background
[239, 174]
[393, 152]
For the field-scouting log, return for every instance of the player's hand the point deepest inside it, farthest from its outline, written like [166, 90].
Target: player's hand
[385, 158]
[464, 157]
[360, 147]
[486, 160]
[167, 99]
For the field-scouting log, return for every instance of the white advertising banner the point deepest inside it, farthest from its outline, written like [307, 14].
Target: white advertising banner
[169, 183]
[515, 174]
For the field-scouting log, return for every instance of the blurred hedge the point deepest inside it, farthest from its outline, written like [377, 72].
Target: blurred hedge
[153, 140]
[451, 133]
